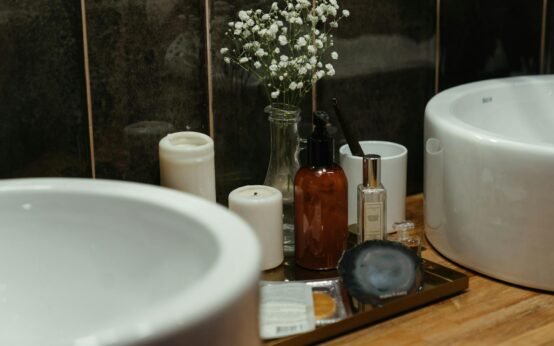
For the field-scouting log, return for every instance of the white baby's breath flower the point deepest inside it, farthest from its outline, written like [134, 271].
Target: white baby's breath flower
[260, 52]
[243, 16]
[287, 73]
[273, 28]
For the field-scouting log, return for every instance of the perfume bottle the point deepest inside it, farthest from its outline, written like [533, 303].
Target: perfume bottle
[320, 202]
[406, 234]
[372, 201]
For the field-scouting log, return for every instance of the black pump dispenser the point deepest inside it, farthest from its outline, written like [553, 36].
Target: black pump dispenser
[320, 144]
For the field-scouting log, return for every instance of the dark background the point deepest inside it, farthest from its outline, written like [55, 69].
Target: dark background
[149, 76]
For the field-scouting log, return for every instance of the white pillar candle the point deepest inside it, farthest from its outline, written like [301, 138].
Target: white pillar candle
[262, 207]
[187, 163]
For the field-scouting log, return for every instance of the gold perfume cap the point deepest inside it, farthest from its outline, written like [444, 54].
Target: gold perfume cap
[372, 170]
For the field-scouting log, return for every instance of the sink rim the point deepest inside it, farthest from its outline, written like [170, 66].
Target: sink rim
[440, 110]
[197, 302]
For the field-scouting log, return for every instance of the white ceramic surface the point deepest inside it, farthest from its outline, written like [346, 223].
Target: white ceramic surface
[489, 177]
[86, 262]
[394, 160]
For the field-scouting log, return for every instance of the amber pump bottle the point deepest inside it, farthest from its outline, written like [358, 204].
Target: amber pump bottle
[320, 200]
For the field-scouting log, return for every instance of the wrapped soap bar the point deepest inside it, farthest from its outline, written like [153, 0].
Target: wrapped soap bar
[285, 309]
[329, 303]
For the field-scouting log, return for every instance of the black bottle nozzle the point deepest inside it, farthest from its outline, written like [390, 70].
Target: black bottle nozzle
[320, 144]
[320, 121]
[353, 142]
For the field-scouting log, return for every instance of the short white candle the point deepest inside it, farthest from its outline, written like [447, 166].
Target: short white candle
[262, 207]
[187, 163]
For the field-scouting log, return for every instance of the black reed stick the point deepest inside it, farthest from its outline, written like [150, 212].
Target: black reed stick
[353, 142]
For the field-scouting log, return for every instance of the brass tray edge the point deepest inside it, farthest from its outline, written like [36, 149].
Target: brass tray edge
[390, 309]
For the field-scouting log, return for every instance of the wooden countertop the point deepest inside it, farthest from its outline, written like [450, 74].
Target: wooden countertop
[489, 313]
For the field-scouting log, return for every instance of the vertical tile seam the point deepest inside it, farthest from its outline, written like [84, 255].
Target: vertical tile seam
[88, 88]
[314, 85]
[543, 36]
[209, 69]
[437, 44]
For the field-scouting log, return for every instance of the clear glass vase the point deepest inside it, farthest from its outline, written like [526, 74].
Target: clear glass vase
[283, 162]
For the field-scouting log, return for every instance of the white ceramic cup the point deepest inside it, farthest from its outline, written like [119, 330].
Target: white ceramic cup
[394, 160]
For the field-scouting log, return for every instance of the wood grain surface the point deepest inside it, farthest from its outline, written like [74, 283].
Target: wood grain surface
[489, 313]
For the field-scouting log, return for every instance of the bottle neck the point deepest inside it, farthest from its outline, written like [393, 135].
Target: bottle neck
[372, 171]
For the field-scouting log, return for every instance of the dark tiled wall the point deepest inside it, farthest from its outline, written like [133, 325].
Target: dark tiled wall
[43, 118]
[549, 39]
[149, 76]
[386, 72]
[489, 39]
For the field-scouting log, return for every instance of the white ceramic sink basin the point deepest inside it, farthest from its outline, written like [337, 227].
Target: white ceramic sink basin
[489, 177]
[86, 262]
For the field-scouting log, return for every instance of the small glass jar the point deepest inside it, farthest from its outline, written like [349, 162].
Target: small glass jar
[405, 233]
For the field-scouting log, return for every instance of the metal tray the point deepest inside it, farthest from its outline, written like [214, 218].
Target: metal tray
[439, 282]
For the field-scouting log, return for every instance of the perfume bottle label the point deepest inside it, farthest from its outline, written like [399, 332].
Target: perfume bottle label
[373, 220]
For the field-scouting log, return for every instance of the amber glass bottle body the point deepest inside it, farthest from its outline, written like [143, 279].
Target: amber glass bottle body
[321, 218]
